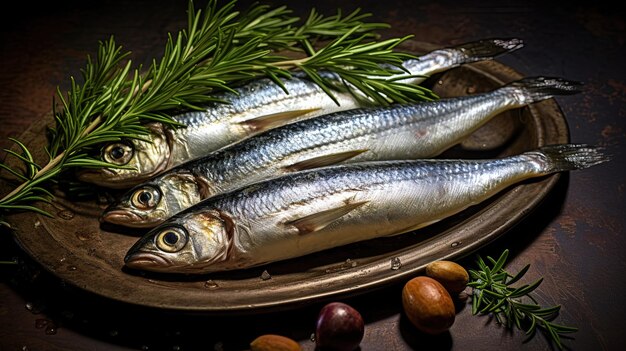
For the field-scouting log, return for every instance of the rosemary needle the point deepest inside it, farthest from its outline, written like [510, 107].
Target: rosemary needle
[493, 293]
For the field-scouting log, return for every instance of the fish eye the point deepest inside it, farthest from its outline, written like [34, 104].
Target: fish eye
[146, 198]
[118, 153]
[171, 239]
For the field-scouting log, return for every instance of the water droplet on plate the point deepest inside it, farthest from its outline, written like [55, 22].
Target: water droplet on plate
[455, 244]
[396, 263]
[350, 263]
[265, 275]
[210, 284]
[85, 235]
[66, 214]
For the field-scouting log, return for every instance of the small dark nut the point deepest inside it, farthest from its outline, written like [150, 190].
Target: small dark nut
[428, 305]
[272, 342]
[451, 275]
[339, 327]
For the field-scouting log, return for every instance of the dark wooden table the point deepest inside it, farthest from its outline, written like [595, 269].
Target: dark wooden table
[575, 239]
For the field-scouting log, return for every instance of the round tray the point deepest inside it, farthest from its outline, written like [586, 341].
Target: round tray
[76, 248]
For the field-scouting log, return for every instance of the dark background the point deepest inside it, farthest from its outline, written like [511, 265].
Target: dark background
[575, 239]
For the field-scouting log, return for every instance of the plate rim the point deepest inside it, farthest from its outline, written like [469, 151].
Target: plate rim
[544, 186]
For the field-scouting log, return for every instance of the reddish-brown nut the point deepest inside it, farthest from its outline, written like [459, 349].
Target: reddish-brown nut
[339, 327]
[272, 342]
[451, 275]
[428, 305]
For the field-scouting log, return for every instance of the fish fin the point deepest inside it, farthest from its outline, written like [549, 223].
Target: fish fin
[535, 89]
[487, 49]
[266, 122]
[568, 157]
[324, 160]
[320, 220]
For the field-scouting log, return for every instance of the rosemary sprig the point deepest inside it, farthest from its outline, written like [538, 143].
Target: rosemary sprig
[494, 294]
[219, 47]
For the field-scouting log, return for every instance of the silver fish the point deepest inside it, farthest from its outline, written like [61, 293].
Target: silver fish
[319, 209]
[254, 108]
[408, 131]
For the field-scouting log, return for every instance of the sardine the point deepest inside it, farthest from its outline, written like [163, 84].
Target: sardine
[408, 131]
[310, 211]
[256, 107]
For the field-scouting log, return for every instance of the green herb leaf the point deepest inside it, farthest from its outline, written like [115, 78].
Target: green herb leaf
[218, 48]
[494, 294]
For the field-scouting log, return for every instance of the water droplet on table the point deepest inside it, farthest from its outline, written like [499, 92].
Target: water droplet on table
[41, 323]
[51, 329]
[34, 308]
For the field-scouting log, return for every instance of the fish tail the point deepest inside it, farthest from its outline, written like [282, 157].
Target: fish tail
[568, 157]
[487, 49]
[535, 89]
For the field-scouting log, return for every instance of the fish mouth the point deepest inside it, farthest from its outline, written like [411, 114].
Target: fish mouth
[124, 217]
[146, 260]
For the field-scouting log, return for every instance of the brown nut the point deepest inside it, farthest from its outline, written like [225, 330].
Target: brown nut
[272, 342]
[428, 305]
[451, 275]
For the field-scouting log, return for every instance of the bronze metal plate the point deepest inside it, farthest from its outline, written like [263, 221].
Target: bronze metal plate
[76, 248]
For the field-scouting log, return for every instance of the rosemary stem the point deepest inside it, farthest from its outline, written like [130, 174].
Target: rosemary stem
[51, 164]
[287, 64]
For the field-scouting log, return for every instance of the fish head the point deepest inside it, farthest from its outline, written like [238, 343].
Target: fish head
[151, 203]
[132, 160]
[189, 243]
